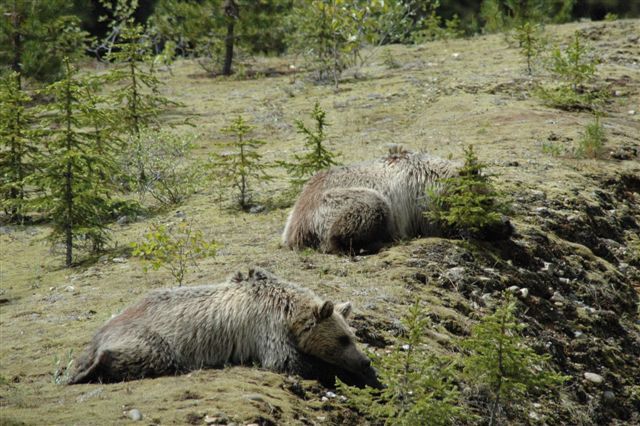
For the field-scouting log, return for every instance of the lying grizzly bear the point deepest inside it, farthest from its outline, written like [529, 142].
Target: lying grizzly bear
[249, 319]
[362, 207]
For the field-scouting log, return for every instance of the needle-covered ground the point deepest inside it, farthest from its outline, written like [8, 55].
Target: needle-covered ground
[576, 247]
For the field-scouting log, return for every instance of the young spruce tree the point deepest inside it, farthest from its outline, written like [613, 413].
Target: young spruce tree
[242, 164]
[18, 146]
[419, 384]
[137, 86]
[501, 360]
[75, 173]
[317, 157]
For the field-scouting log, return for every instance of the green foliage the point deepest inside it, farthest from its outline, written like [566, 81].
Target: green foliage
[419, 384]
[388, 60]
[175, 248]
[62, 368]
[574, 67]
[35, 36]
[242, 164]
[165, 158]
[592, 141]
[530, 41]
[317, 156]
[501, 361]
[137, 86]
[18, 146]
[468, 202]
[330, 33]
[75, 172]
[500, 15]
[574, 64]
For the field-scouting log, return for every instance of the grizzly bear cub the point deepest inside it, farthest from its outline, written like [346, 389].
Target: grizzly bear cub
[250, 319]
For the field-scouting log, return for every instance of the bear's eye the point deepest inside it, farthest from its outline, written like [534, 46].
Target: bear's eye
[344, 340]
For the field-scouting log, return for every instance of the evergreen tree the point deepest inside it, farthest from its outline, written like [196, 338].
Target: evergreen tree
[243, 163]
[501, 360]
[529, 38]
[137, 93]
[317, 157]
[74, 170]
[35, 35]
[419, 384]
[468, 202]
[18, 146]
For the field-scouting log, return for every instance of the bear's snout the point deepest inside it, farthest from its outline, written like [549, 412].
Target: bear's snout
[366, 363]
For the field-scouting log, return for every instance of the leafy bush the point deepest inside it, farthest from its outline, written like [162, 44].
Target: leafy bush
[170, 175]
[468, 203]
[174, 248]
[419, 384]
[501, 361]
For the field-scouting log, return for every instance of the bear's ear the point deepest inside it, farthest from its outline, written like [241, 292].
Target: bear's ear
[323, 312]
[344, 309]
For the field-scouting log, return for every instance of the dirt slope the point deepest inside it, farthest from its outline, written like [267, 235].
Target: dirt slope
[576, 248]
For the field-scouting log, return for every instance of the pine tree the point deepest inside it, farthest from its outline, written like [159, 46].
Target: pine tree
[529, 38]
[243, 163]
[418, 383]
[317, 157]
[501, 360]
[137, 94]
[75, 171]
[468, 202]
[36, 35]
[18, 146]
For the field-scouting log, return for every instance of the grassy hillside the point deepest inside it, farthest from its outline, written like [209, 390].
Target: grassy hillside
[580, 215]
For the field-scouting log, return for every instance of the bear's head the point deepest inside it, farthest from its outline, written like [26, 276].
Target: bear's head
[325, 334]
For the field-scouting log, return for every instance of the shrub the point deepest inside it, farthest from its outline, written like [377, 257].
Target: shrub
[592, 141]
[174, 248]
[239, 167]
[468, 203]
[170, 175]
[501, 361]
[419, 383]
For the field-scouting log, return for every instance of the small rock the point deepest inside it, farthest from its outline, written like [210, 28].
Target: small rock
[631, 112]
[134, 414]
[534, 416]
[119, 260]
[557, 297]
[455, 55]
[255, 397]
[123, 220]
[513, 289]
[564, 280]
[609, 396]
[577, 334]
[89, 395]
[70, 288]
[180, 214]
[456, 274]
[594, 378]
[524, 293]
[330, 394]
[256, 209]
[324, 399]
[217, 419]
[548, 267]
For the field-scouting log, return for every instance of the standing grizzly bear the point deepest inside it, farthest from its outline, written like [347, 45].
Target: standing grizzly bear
[249, 319]
[364, 206]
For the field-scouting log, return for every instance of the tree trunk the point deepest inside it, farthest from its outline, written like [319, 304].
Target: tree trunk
[68, 175]
[231, 12]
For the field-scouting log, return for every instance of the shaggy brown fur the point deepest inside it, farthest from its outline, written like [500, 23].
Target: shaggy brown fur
[362, 207]
[249, 319]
